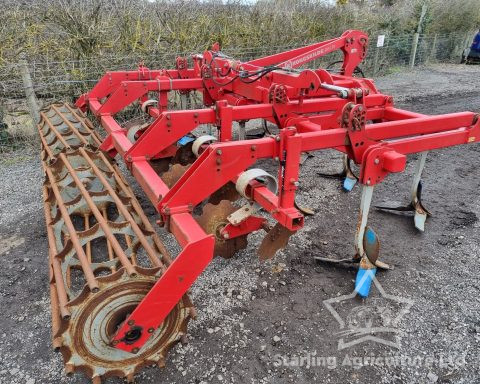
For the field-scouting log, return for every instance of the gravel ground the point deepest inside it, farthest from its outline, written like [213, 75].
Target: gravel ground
[261, 323]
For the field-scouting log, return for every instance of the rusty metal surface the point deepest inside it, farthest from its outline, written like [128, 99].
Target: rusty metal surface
[213, 219]
[104, 254]
[64, 127]
[184, 155]
[173, 174]
[276, 239]
[227, 192]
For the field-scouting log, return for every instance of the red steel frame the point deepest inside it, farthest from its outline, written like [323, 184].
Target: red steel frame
[310, 111]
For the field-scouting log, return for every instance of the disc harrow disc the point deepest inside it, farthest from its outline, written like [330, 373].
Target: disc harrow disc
[175, 172]
[184, 155]
[227, 192]
[213, 219]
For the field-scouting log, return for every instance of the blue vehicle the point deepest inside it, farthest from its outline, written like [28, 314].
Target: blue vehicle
[472, 55]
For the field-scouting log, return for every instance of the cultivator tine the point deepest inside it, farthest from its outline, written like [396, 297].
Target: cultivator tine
[347, 175]
[276, 239]
[104, 254]
[416, 206]
[367, 245]
[366, 271]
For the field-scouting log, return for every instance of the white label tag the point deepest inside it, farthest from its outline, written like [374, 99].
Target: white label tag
[380, 40]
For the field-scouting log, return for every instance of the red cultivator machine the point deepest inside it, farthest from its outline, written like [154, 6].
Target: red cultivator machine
[131, 303]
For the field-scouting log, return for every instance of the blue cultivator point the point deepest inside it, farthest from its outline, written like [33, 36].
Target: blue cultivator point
[367, 268]
[349, 183]
[347, 175]
[363, 282]
[185, 140]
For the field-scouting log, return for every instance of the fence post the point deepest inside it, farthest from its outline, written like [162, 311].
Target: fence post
[468, 40]
[416, 36]
[32, 101]
[433, 51]
[413, 53]
[375, 62]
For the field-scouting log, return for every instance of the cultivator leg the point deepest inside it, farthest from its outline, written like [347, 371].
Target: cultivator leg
[416, 206]
[367, 245]
[104, 253]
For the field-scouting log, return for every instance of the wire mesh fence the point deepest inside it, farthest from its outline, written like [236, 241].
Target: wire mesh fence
[66, 80]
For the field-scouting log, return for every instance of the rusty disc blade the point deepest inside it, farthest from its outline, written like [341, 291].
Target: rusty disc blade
[276, 239]
[174, 173]
[184, 155]
[161, 165]
[212, 220]
[227, 192]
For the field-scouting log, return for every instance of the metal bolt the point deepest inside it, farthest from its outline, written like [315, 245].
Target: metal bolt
[277, 138]
[369, 182]
[253, 147]
[226, 235]
[115, 342]
[135, 350]
[131, 322]
[276, 158]
[296, 183]
[219, 151]
[195, 114]
[219, 161]
[151, 330]
[377, 161]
